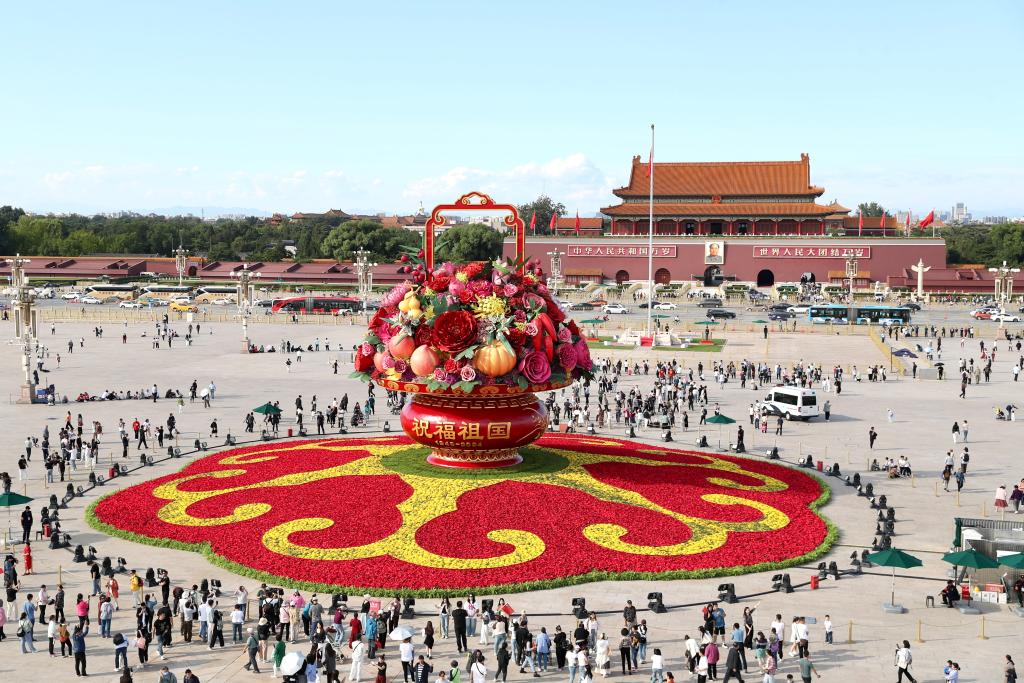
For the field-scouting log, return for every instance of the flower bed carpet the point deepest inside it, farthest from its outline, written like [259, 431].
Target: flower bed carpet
[369, 514]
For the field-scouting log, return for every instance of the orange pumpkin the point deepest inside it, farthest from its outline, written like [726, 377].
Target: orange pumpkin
[494, 360]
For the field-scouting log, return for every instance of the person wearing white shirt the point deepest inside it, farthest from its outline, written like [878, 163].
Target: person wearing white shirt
[479, 671]
[702, 669]
[237, 619]
[692, 652]
[657, 667]
[828, 629]
[204, 620]
[406, 653]
[358, 655]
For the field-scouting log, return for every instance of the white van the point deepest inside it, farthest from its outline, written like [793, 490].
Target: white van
[793, 403]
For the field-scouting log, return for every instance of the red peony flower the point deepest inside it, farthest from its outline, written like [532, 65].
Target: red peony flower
[439, 283]
[466, 296]
[451, 366]
[454, 331]
[472, 270]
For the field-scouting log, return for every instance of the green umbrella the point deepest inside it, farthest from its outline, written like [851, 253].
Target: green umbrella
[760, 322]
[659, 315]
[705, 322]
[970, 558]
[894, 558]
[267, 409]
[1015, 561]
[9, 500]
[720, 419]
[591, 321]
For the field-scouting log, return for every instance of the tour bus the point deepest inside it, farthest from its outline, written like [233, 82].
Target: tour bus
[208, 293]
[793, 403]
[327, 305]
[166, 291]
[860, 315]
[103, 292]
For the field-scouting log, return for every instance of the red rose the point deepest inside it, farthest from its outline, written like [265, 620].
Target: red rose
[423, 335]
[572, 328]
[363, 363]
[451, 366]
[439, 283]
[472, 270]
[553, 311]
[516, 338]
[454, 331]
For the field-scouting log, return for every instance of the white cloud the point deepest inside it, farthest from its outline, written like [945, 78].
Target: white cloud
[573, 180]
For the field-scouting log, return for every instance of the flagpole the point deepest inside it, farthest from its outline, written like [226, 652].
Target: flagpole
[650, 241]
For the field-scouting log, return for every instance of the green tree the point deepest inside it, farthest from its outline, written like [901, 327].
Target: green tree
[472, 242]
[9, 216]
[384, 244]
[872, 209]
[544, 206]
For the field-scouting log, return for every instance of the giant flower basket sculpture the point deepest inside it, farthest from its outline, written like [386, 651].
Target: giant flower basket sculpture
[473, 344]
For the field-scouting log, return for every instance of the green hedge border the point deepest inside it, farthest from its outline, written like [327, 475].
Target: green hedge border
[590, 577]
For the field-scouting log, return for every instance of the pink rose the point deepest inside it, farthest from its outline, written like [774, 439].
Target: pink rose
[367, 349]
[535, 367]
[400, 366]
[388, 361]
[566, 356]
[583, 355]
[467, 373]
[510, 290]
[520, 316]
[564, 335]
[531, 329]
[440, 375]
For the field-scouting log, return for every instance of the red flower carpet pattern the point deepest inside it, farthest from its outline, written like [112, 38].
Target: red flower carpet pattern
[371, 514]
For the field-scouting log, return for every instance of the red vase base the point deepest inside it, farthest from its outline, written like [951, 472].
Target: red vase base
[475, 460]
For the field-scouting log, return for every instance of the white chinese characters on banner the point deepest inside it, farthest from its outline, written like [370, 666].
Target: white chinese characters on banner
[792, 251]
[620, 250]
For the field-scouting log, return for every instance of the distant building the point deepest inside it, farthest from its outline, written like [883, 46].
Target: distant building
[959, 213]
[995, 220]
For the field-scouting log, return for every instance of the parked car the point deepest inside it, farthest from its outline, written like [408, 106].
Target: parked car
[1006, 317]
[710, 303]
[982, 315]
[665, 306]
[799, 308]
[781, 315]
[222, 302]
[779, 307]
[912, 306]
[581, 306]
[183, 308]
[89, 300]
[71, 296]
[716, 313]
[615, 308]
[129, 304]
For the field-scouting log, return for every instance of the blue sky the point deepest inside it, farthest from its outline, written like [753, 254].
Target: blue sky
[379, 106]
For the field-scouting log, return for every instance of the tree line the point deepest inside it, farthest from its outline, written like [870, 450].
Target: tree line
[230, 239]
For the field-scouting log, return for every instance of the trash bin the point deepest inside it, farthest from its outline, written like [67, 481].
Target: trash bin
[814, 582]
[821, 466]
[47, 530]
[289, 431]
[111, 473]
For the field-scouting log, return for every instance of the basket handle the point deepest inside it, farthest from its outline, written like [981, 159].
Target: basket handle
[475, 201]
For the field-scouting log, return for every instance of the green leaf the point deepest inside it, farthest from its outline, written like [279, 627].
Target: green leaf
[504, 342]
[364, 376]
[522, 382]
[466, 386]
[468, 353]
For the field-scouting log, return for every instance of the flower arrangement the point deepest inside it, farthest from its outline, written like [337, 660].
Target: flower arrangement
[463, 326]
[599, 509]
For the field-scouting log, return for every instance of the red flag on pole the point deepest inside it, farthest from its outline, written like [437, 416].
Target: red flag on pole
[908, 222]
[860, 226]
[881, 223]
[554, 220]
[577, 222]
[928, 220]
[533, 223]
[650, 160]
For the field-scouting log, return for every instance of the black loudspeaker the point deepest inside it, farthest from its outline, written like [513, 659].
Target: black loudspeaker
[579, 608]
[782, 583]
[727, 593]
[656, 603]
[407, 608]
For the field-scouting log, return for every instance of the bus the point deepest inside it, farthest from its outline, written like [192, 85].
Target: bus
[208, 293]
[329, 305]
[101, 292]
[860, 315]
[166, 290]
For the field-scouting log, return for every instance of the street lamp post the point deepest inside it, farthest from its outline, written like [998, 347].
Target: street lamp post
[243, 294]
[364, 275]
[1003, 282]
[851, 274]
[181, 263]
[25, 324]
[555, 278]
